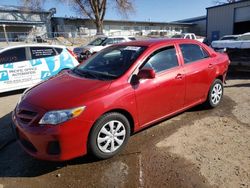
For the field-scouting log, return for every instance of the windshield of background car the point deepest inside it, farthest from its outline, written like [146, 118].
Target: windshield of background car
[98, 41]
[177, 36]
[110, 63]
[229, 38]
[244, 37]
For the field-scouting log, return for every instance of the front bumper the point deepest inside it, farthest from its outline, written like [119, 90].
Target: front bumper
[55, 143]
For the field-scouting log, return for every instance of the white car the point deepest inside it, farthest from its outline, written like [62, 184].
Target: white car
[229, 37]
[26, 65]
[100, 43]
[241, 42]
[189, 36]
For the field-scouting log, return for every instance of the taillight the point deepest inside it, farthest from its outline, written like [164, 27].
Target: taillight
[72, 53]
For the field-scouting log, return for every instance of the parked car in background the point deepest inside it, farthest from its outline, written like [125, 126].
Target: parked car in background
[96, 106]
[188, 36]
[240, 42]
[238, 50]
[100, 43]
[26, 65]
[229, 37]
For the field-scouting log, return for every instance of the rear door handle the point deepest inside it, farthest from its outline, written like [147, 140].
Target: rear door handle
[179, 76]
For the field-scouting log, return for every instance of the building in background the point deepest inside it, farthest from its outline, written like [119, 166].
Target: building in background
[78, 26]
[228, 19]
[17, 22]
[199, 25]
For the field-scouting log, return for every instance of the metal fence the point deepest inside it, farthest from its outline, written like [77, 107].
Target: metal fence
[69, 38]
[63, 38]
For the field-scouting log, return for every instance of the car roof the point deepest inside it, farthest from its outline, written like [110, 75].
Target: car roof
[31, 45]
[153, 42]
[248, 33]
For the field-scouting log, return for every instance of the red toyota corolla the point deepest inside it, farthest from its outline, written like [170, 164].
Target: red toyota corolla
[95, 107]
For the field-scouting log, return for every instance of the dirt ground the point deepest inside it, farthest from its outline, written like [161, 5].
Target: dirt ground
[198, 148]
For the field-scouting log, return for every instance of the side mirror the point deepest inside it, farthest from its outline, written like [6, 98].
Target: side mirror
[146, 74]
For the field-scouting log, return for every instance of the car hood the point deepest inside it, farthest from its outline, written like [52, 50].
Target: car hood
[64, 91]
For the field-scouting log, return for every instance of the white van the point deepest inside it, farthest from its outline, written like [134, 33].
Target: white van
[26, 65]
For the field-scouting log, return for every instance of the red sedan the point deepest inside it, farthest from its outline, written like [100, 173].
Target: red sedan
[95, 107]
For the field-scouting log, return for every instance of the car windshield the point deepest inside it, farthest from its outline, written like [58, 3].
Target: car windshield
[98, 41]
[110, 63]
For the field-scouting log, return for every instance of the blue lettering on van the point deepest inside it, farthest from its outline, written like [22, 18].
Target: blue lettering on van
[45, 75]
[8, 66]
[4, 75]
[35, 62]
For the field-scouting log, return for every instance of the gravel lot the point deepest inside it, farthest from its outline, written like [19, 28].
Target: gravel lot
[198, 148]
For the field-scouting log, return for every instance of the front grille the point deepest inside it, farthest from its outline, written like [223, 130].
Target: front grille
[25, 142]
[25, 116]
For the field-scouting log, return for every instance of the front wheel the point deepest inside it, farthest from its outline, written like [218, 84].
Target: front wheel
[109, 135]
[215, 94]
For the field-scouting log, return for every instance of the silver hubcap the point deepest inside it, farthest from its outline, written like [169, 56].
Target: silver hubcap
[216, 93]
[111, 136]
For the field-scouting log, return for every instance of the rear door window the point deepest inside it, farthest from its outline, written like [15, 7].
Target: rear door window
[42, 52]
[13, 55]
[192, 53]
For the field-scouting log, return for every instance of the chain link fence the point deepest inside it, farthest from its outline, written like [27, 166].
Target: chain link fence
[69, 38]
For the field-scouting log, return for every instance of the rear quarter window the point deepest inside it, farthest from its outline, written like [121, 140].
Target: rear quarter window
[58, 50]
[42, 52]
[13, 55]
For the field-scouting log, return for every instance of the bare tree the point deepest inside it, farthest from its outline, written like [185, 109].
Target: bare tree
[33, 4]
[218, 2]
[95, 10]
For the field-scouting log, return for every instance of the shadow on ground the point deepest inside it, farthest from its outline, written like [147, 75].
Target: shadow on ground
[15, 162]
[140, 164]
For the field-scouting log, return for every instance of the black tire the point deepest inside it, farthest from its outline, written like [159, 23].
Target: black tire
[212, 100]
[102, 124]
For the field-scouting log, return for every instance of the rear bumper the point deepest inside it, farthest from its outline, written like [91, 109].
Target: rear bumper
[54, 143]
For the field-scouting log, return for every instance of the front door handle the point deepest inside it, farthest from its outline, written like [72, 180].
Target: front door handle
[179, 76]
[210, 65]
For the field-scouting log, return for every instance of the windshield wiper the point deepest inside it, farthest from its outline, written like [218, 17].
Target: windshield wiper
[107, 74]
[86, 73]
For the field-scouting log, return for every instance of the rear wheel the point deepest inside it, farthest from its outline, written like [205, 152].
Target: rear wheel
[215, 94]
[109, 135]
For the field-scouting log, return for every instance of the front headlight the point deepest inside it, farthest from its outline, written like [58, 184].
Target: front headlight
[59, 116]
